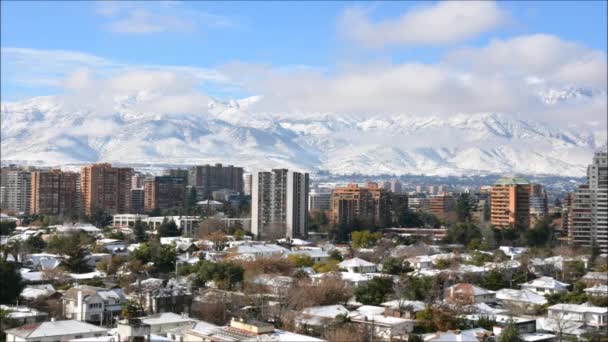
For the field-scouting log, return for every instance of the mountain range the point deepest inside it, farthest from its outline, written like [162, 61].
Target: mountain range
[46, 130]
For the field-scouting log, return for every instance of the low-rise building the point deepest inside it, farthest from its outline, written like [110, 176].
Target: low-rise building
[93, 304]
[22, 315]
[520, 299]
[545, 285]
[54, 331]
[163, 322]
[241, 330]
[466, 294]
[592, 316]
[357, 265]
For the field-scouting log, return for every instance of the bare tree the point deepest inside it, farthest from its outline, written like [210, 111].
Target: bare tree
[208, 226]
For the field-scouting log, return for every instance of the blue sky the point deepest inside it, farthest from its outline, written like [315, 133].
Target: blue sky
[245, 48]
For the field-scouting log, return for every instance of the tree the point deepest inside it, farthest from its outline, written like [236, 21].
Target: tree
[301, 260]
[375, 291]
[168, 228]
[541, 234]
[224, 274]
[330, 290]
[462, 233]
[7, 227]
[209, 226]
[139, 231]
[73, 247]
[218, 239]
[509, 333]
[132, 309]
[35, 244]
[12, 283]
[365, 239]
[395, 266]
[494, 280]
[100, 218]
[192, 198]
[164, 259]
[239, 234]
[465, 206]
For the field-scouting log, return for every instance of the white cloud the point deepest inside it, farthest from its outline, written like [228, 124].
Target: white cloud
[444, 22]
[155, 17]
[538, 56]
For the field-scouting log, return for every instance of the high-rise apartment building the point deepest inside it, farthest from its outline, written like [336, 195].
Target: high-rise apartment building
[54, 192]
[137, 181]
[279, 206]
[209, 178]
[107, 188]
[441, 205]
[588, 215]
[396, 186]
[137, 200]
[319, 201]
[510, 203]
[177, 173]
[538, 202]
[370, 204]
[247, 184]
[164, 192]
[16, 191]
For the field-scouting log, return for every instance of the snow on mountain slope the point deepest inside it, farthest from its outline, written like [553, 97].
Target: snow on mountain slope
[47, 130]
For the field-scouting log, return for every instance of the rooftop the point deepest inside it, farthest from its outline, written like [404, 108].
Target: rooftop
[511, 181]
[54, 328]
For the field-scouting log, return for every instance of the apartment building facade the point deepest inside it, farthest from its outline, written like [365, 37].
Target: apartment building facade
[370, 204]
[441, 205]
[279, 205]
[107, 188]
[510, 203]
[209, 178]
[164, 192]
[54, 192]
[16, 191]
[588, 213]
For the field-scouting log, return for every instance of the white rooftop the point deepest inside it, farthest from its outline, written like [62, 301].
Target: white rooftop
[355, 262]
[579, 308]
[547, 283]
[526, 296]
[54, 328]
[165, 318]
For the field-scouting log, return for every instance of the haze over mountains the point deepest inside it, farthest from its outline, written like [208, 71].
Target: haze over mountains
[50, 130]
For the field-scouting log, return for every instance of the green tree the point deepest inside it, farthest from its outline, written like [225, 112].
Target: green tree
[164, 260]
[415, 288]
[132, 309]
[395, 266]
[73, 246]
[239, 234]
[509, 333]
[35, 244]
[7, 227]
[224, 274]
[168, 228]
[334, 254]
[463, 233]
[365, 239]
[540, 234]
[139, 231]
[494, 280]
[375, 291]
[12, 283]
[465, 206]
[300, 260]
[100, 218]
[192, 198]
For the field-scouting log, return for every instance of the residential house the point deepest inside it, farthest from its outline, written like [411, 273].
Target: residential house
[469, 335]
[53, 331]
[384, 327]
[403, 308]
[22, 315]
[598, 290]
[594, 278]
[93, 304]
[520, 299]
[545, 286]
[592, 316]
[357, 265]
[466, 294]
[162, 322]
[241, 330]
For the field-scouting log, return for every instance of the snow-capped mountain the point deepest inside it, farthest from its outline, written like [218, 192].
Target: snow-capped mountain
[49, 131]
